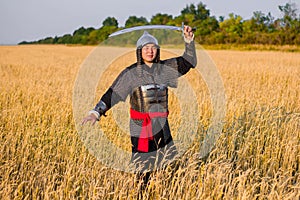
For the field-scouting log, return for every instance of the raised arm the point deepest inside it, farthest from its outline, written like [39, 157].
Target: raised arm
[189, 59]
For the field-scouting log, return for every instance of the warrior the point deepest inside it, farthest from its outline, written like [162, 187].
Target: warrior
[146, 82]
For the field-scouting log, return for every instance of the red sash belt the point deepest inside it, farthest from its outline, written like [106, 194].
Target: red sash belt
[146, 132]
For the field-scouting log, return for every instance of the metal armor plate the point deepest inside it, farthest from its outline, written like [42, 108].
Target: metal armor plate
[150, 98]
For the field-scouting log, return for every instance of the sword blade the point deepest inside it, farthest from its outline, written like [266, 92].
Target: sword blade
[136, 28]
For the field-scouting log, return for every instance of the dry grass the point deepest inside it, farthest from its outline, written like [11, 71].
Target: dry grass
[256, 157]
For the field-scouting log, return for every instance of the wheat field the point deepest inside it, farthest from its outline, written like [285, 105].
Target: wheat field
[257, 155]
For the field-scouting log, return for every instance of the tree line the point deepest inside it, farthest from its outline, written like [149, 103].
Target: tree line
[261, 28]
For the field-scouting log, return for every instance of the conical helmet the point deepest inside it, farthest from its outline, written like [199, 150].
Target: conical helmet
[146, 38]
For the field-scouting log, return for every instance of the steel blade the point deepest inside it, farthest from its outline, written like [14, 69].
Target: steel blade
[136, 28]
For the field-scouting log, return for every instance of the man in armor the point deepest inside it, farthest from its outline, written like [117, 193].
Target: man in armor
[146, 82]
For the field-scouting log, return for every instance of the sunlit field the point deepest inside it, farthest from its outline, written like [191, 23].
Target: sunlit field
[42, 156]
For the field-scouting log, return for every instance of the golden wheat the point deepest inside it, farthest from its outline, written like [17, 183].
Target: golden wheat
[42, 156]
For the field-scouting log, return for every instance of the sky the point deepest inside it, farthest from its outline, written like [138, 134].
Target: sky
[32, 20]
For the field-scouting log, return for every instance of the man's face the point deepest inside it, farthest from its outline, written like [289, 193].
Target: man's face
[149, 52]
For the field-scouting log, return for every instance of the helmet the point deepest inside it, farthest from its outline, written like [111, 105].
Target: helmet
[146, 38]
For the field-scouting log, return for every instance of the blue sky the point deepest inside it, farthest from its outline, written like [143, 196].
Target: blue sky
[36, 19]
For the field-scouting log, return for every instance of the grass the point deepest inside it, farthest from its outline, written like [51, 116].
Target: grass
[256, 157]
[253, 47]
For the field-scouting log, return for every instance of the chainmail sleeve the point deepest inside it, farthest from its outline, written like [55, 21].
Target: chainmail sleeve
[188, 60]
[176, 67]
[117, 92]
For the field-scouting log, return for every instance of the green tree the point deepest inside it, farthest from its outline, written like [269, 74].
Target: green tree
[202, 12]
[289, 33]
[83, 31]
[93, 37]
[194, 13]
[259, 21]
[289, 11]
[65, 39]
[205, 29]
[161, 19]
[189, 9]
[255, 30]
[47, 40]
[80, 35]
[186, 19]
[199, 17]
[110, 21]
[135, 21]
[101, 34]
[232, 28]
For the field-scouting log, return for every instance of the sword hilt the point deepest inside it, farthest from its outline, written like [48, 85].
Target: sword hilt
[182, 29]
